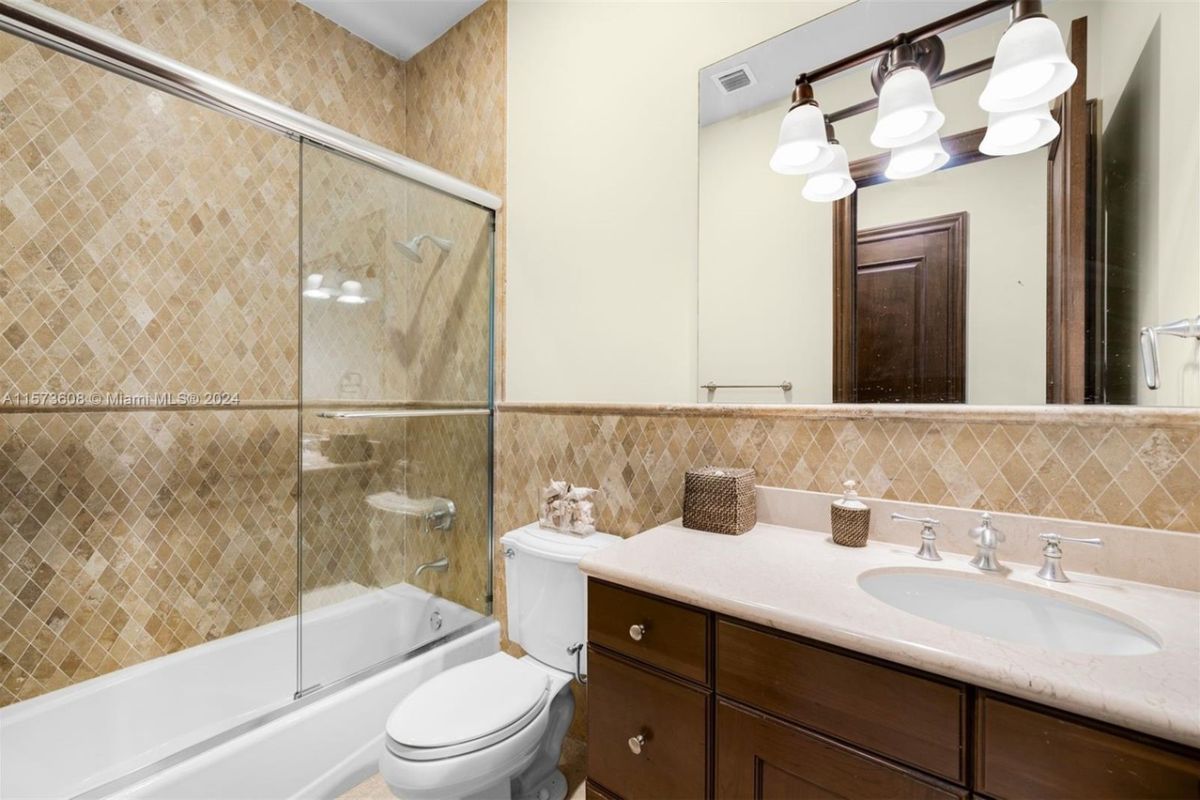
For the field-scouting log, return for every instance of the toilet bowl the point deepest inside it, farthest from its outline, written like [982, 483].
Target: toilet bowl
[475, 730]
[493, 728]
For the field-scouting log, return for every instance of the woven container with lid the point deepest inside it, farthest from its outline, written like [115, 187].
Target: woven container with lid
[719, 500]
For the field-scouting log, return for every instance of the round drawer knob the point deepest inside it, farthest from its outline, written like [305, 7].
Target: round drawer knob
[636, 743]
[636, 632]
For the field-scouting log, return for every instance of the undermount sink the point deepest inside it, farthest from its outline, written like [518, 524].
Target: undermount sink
[1005, 611]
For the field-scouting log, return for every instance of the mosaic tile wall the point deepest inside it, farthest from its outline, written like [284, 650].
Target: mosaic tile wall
[127, 535]
[277, 48]
[146, 244]
[457, 117]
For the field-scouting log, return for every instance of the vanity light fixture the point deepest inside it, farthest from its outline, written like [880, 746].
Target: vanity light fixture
[833, 181]
[1012, 132]
[352, 293]
[803, 147]
[314, 289]
[1031, 65]
[917, 159]
[907, 113]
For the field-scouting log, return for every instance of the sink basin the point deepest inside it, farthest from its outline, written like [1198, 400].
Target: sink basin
[1006, 611]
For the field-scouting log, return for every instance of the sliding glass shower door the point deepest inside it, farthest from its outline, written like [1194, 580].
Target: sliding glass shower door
[395, 416]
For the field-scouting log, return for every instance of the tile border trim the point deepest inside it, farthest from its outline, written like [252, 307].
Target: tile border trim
[1043, 415]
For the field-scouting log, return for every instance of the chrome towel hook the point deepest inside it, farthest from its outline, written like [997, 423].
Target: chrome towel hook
[1183, 328]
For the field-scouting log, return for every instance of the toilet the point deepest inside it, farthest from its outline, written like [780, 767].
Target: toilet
[493, 728]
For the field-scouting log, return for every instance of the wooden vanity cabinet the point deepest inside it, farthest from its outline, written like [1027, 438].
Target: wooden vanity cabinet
[731, 710]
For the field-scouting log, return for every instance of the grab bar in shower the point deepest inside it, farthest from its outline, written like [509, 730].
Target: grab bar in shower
[1183, 328]
[712, 387]
[402, 413]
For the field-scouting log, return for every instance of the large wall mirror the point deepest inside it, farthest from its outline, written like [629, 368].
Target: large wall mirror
[1047, 251]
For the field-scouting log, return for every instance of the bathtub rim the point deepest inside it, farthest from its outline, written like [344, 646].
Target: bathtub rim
[114, 786]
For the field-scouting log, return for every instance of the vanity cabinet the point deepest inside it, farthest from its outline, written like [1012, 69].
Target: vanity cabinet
[684, 703]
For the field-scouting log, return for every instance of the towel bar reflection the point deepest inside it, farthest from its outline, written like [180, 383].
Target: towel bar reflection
[1183, 328]
[712, 387]
[411, 412]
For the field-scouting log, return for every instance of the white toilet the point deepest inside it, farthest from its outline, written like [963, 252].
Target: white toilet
[493, 728]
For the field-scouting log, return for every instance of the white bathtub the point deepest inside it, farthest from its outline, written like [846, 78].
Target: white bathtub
[79, 738]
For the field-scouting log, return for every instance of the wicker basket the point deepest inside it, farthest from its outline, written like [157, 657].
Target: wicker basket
[719, 500]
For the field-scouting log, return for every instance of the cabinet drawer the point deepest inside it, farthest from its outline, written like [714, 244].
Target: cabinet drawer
[625, 701]
[918, 721]
[673, 637]
[758, 757]
[1025, 753]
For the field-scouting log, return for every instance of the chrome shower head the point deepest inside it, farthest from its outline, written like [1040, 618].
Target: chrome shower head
[412, 248]
[409, 249]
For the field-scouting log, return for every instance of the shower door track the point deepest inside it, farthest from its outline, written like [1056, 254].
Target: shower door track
[113, 787]
[61, 32]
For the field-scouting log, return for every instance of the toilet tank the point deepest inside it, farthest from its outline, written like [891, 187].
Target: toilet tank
[546, 592]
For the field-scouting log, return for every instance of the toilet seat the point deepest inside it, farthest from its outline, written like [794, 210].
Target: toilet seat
[468, 708]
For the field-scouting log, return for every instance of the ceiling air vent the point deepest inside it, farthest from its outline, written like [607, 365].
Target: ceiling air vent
[733, 79]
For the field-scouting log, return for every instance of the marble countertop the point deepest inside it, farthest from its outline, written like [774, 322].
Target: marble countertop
[800, 582]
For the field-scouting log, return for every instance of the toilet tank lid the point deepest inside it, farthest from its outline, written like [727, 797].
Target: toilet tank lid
[543, 542]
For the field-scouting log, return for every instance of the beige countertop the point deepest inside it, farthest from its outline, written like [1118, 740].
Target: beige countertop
[800, 582]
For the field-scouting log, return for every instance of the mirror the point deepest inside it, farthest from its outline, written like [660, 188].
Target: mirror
[1051, 275]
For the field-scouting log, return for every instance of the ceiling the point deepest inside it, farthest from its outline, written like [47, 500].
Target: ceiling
[400, 27]
[776, 62]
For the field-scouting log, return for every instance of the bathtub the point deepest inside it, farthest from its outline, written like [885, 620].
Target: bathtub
[219, 719]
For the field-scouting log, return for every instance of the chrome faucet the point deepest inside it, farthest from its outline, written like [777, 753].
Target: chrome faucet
[441, 565]
[1051, 569]
[988, 538]
[928, 551]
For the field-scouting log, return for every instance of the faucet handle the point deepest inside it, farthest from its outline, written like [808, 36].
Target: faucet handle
[1053, 540]
[984, 528]
[1051, 569]
[928, 551]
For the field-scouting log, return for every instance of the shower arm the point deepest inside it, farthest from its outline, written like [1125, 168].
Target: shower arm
[1183, 328]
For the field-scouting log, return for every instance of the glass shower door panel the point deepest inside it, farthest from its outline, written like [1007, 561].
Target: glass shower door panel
[396, 311]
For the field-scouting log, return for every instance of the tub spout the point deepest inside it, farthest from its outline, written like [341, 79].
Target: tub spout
[441, 565]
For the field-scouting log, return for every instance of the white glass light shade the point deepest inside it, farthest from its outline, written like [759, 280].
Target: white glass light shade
[802, 147]
[831, 182]
[1013, 132]
[313, 288]
[917, 159]
[351, 293]
[907, 113]
[1031, 67]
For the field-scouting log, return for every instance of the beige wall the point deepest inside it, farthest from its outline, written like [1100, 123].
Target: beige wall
[602, 190]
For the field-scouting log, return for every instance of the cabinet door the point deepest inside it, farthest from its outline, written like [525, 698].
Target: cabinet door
[764, 759]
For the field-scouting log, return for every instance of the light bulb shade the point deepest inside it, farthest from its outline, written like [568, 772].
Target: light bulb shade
[1012, 132]
[352, 293]
[907, 113]
[1031, 67]
[313, 288]
[917, 159]
[802, 147]
[831, 182]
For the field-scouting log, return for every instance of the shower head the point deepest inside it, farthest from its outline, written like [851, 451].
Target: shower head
[412, 248]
